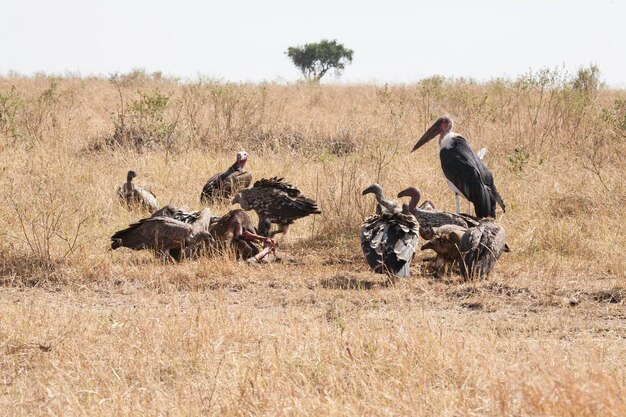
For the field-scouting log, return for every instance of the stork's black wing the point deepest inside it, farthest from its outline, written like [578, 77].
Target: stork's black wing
[470, 176]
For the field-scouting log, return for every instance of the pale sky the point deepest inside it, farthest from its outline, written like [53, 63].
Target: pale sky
[236, 40]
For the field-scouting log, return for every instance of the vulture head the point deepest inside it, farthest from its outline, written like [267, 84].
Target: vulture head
[377, 190]
[427, 205]
[241, 200]
[131, 174]
[242, 158]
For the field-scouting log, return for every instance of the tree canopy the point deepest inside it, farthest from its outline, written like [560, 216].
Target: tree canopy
[316, 59]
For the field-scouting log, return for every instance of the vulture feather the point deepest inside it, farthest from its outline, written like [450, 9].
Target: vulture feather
[225, 184]
[389, 238]
[276, 202]
[429, 218]
[480, 247]
[163, 235]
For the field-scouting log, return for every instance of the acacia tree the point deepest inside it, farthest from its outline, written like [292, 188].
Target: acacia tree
[316, 59]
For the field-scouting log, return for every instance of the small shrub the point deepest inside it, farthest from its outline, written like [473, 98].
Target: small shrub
[50, 224]
[11, 105]
[519, 159]
[141, 124]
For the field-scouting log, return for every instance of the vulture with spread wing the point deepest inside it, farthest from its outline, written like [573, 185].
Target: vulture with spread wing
[388, 238]
[480, 247]
[275, 201]
[162, 235]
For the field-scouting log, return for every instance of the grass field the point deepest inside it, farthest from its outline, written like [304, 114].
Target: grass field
[87, 331]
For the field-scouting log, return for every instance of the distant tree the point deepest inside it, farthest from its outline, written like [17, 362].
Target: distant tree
[316, 59]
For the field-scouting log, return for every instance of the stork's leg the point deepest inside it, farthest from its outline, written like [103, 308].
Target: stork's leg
[458, 203]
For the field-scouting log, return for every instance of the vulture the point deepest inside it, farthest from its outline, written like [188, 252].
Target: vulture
[225, 184]
[444, 240]
[200, 220]
[464, 170]
[162, 235]
[476, 248]
[136, 196]
[275, 201]
[480, 248]
[428, 217]
[235, 230]
[178, 234]
[187, 217]
[389, 237]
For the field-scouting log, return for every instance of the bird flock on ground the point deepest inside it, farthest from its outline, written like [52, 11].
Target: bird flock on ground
[389, 237]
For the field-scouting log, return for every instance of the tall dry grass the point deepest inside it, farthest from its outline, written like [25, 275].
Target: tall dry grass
[87, 331]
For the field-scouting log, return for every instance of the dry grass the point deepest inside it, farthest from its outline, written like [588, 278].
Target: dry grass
[86, 331]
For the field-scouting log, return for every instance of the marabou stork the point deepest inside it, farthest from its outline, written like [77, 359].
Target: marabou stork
[465, 172]
[227, 183]
[388, 238]
[131, 195]
[275, 201]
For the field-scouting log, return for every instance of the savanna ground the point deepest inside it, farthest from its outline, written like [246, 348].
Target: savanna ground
[87, 331]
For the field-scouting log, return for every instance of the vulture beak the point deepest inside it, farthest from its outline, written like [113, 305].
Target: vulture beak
[427, 245]
[242, 158]
[432, 131]
[236, 200]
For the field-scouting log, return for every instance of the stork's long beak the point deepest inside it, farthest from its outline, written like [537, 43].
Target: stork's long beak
[432, 131]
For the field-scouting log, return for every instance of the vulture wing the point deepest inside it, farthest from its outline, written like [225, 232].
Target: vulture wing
[388, 242]
[146, 198]
[481, 246]
[153, 233]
